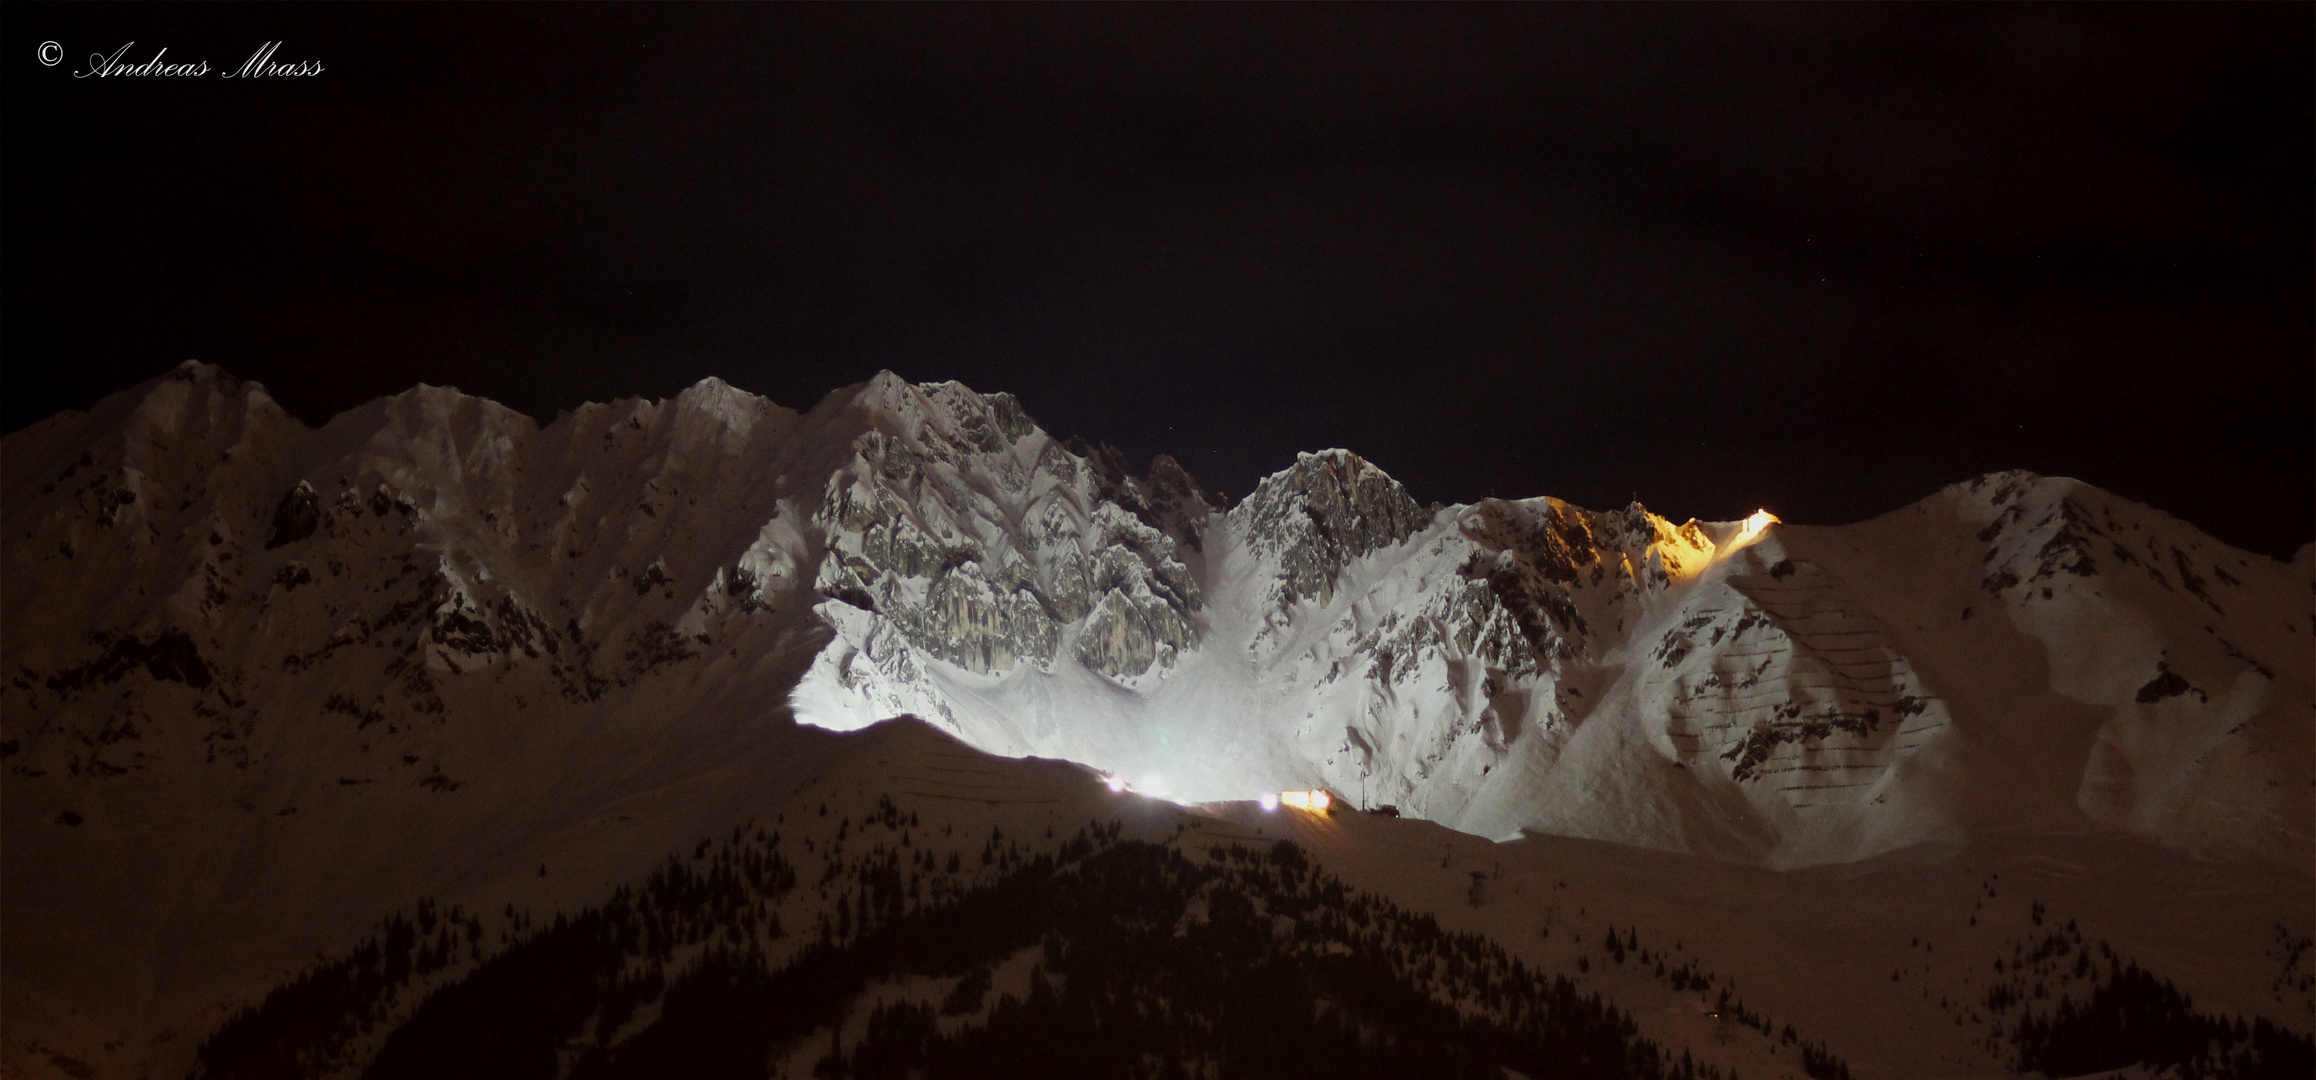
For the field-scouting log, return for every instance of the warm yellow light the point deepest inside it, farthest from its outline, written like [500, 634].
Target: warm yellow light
[1314, 801]
[1760, 520]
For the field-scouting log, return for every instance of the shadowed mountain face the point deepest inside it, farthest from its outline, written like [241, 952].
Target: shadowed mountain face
[432, 648]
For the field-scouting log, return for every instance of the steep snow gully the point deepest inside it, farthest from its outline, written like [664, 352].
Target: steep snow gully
[237, 648]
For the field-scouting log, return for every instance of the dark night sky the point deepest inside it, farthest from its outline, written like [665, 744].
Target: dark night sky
[1823, 259]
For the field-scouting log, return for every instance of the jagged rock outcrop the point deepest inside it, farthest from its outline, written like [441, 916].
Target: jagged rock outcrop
[296, 517]
[1314, 518]
[988, 546]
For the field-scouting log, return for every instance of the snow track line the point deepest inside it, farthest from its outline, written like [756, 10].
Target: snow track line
[978, 799]
[1784, 695]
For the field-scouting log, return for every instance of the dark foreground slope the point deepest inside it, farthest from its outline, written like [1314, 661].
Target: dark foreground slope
[906, 906]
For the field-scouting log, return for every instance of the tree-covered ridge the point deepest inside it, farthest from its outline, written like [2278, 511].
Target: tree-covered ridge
[1145, 961]
[316, 1023]
[2082, 1007]
[885, 945]
[2055, 1001]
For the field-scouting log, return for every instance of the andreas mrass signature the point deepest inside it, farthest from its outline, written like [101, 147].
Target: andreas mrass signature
[261, 64]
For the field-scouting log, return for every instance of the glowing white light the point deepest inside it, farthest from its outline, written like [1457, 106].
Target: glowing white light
[1315, 801]
[1114, 783]
[1153, 786]
[1270, 801]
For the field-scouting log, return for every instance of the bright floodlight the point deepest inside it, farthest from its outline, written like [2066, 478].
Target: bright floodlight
[1270, 801]
[1115, 783]
[1314, 801]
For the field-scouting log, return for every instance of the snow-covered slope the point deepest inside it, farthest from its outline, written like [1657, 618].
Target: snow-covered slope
[2011, 652]
[2014, 651]
[266, 684]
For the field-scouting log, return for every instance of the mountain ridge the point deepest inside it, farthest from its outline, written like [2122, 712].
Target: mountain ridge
[937, 525]
[434, 633]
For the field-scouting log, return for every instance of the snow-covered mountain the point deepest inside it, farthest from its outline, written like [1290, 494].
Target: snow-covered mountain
[268, 683]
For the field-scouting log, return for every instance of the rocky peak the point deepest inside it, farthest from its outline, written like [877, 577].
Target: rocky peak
[176, 420]
[1314, 518]
[944, 419]
[1554, 539]
[980, 541]
[722, 417]
[2051, 537]
[1167, 499]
